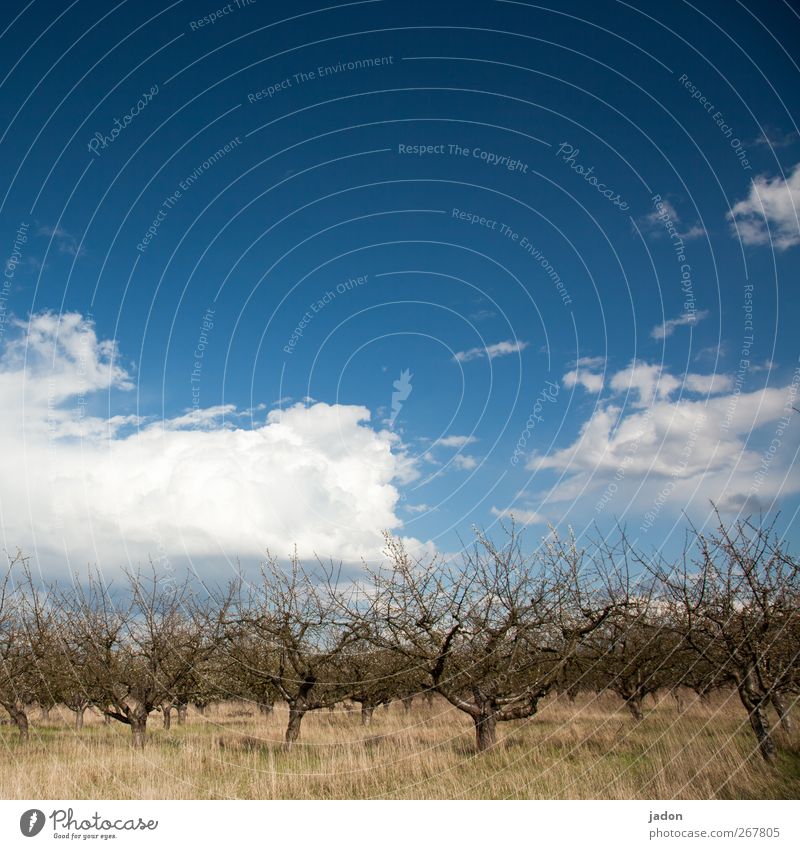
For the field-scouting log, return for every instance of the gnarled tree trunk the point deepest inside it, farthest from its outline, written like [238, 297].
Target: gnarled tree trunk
[79, 712]
[485, 730]
[297, 710]
[634, 704]
[755, 710]
[782, 709]
[138, 722]
[367, 709]
[16, 710]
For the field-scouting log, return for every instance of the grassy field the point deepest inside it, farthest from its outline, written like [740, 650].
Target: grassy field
[587, 750]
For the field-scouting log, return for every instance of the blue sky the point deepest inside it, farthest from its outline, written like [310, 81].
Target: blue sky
[405, 266]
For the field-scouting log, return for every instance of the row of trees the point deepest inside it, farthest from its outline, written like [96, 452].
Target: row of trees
[493, 633]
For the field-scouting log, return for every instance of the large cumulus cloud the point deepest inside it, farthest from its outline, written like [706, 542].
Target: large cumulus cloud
[120, 488]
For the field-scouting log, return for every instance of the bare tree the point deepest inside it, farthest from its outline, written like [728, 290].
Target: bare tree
[142, 645]
[634, 653]
[374, 676]
[735, 594]
[249, 662]
[494, 632]
[27, 640]
[294, 615]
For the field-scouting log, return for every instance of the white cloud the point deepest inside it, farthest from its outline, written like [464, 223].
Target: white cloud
[498, 349]
[588, 380]
[455, 441]
[662, 331]
[418, 508]
[769, 214]
[590, 362]
[648, 382]
[657, 223]
[651, 383]
[674, 452]
[585, 374]
[524, 517]
[464, 461]
[708, 384]
[196, 485]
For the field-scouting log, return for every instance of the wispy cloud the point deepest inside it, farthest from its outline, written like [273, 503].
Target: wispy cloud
[482, 315]
[418, 508]
[524, 517]
[667, 328]
[712, 352]
[65, 242]
[769, 214]
[656, 223]
[498, 349]
[454, 441]
[775, 138]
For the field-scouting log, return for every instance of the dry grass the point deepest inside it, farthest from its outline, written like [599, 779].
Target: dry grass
[587, 750]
